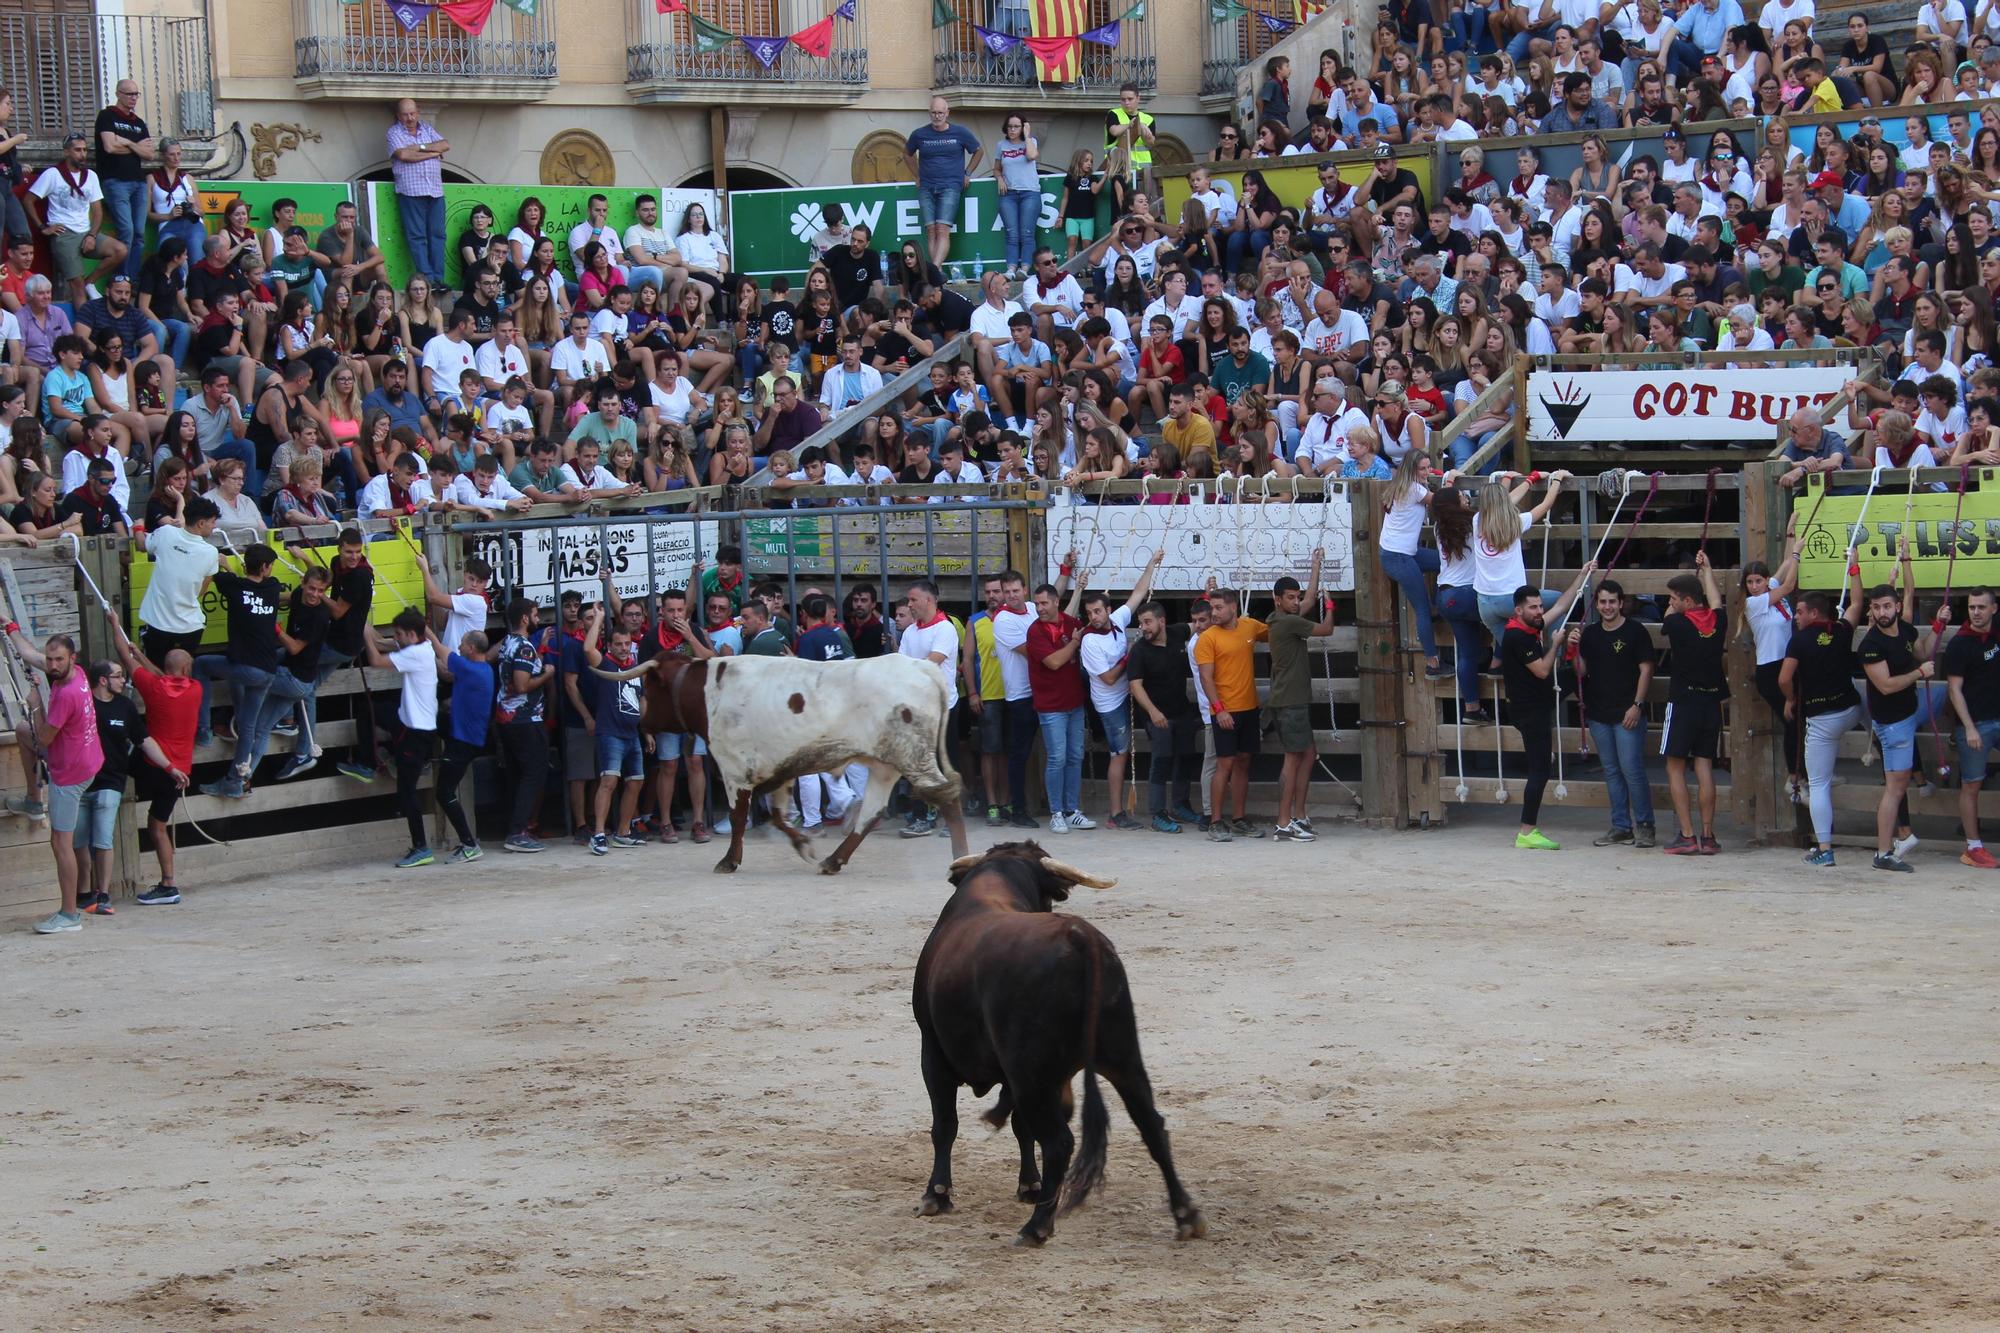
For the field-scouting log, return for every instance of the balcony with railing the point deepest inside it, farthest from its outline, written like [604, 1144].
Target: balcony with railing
[964, 65]
[686, 56]
[64, 68]
[1231, 44]
[365, 50]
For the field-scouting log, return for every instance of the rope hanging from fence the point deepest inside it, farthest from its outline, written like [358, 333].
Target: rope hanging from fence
[1943, 620]
[1707, 508]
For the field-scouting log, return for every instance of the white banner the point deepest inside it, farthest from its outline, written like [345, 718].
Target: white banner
[1681, 404]
[1246, 545]
[535, 562]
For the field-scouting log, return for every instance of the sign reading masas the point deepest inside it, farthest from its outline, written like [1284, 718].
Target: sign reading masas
[1674, 404]
[643, 557]
[1952, 543]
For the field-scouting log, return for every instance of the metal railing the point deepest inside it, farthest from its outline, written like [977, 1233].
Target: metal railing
[960, 59]
[64, 68]
[662, 57]
[337, 41]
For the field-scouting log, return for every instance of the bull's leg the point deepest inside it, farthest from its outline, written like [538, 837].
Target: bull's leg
[1136, 1091]
[942, 1084]
[954, 820]
[1030, 1188]
[738, 818]
[881, 781]
[1040, 1114]
[781, 813]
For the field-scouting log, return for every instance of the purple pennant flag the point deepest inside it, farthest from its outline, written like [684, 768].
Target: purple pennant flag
[999, 43]
[1104, 36]
[766, 49]
[1276, 24]
[846, 10]
[411, 16]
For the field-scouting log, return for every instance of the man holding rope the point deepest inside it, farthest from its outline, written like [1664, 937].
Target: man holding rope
[1896, 661]
[1527, 664]
[173, 703]
[65, 736]
[1697, 643]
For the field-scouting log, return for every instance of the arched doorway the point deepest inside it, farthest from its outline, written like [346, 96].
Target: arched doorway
[740, 178]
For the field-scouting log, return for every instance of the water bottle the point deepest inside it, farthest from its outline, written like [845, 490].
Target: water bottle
[396, 349]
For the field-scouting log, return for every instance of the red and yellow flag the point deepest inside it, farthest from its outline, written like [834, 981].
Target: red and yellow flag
[1056, 26]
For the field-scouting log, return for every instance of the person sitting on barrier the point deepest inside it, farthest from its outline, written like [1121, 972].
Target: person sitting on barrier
[1810, 446]
[540, 478]
[303, 636]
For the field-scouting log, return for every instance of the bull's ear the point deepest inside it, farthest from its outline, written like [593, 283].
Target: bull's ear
[1075, 876]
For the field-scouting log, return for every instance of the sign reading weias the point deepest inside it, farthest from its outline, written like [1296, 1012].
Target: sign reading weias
[769, 229]
[538, 563]
[1246, 545]
[1678, 404]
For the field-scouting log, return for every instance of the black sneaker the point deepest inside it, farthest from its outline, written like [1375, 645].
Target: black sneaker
[1243, 828]
[1612, 837]
[1890, 861]
[1016, 819]
[160, 895]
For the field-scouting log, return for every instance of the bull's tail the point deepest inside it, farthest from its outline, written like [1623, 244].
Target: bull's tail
[1086, 1169]
[941, 752]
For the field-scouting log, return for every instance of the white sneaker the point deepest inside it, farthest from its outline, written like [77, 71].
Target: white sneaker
[1057, 824]
[1077, 819]
[1904, 846]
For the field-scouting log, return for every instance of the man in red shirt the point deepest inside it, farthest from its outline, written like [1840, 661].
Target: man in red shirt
[1056, 683]
[173, 706]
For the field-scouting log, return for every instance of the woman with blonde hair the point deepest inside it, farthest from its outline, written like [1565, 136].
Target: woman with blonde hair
[1499, 530]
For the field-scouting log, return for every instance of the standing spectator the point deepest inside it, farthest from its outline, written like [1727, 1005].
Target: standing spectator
[1290, 698]
[1696, 644]
[1528, 664]
[942, 156]
[1615, 669]
[124, 147]
[173, 701]
[676, 637]
[65, 736]
[1105, 655]
[986, 694]
[472, 694]
[1057, 683]
[1972, 675]
[1224, 657]
[120, 733]
[412, 658]
[1016, 173]
[1896, 660]
[14, 225]
[170, 614]
[932, 637]
[1127, 127]
[524, 674]
[69, 208]
[1159, 670]
[1011, 622]
[415, 149]
[620, 752]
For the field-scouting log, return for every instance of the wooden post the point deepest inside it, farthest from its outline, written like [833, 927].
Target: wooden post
[1380, 664]
[718, 147]
[1758, 795]
[1523, 463]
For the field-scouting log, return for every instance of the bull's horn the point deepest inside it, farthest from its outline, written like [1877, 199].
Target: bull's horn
[1075, 876]
[970, 859]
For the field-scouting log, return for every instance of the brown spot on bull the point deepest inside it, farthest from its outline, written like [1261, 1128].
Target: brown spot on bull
[798, 703]
[720, 667]
[908, 716]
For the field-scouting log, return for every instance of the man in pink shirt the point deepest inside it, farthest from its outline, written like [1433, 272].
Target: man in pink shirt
[66, 738]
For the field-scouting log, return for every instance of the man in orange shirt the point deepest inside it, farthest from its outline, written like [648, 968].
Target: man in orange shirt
[1225, 656]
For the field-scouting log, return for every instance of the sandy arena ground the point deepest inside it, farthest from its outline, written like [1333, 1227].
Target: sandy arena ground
[1415, 1081]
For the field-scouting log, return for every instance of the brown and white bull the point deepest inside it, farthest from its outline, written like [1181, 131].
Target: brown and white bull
[770, 720]
[1009, 992]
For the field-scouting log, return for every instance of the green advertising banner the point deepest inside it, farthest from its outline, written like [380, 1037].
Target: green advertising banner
[316, 201]
[566, 205]
[769, 230]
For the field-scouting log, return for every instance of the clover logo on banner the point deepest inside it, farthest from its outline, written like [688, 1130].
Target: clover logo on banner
[807, 223]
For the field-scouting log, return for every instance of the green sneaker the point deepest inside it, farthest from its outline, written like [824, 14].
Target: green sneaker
[466, 851]
[1534, 841]
[418, 856]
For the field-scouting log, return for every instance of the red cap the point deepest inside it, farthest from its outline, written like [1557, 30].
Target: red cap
[1826, 178]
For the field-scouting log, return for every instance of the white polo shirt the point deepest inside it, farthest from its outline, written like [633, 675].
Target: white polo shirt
[1100, 653]
[940, 636]
[1010, 635]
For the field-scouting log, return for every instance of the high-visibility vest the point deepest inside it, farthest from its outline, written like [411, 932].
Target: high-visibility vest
[1142, 152]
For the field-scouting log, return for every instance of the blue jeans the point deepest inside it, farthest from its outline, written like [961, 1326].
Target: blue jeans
[1020, 210]
[1517, 47]
[1408, 571]
[247, 687]
[938, 204]
[285, 690]
[1683, 60]
[1244, 247]
[638, 275]
[191, 232]
[172, 336]
[1468, 444]
[423, 230]
[1468, 31]
[1496, 609]
[1625, 781]
[1062, 775]
[1460, 609]
[749, 360]
[125, 204]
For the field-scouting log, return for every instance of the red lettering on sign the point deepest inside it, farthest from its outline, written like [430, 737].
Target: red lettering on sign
[1674, 398]
[1742, 406]
[1643, 401]
[1704, 394]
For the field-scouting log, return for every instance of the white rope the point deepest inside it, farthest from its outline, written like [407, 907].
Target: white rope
[1332, 715]
[91, 583]
[1499, 761]
[1555, 674]
[1854, 540]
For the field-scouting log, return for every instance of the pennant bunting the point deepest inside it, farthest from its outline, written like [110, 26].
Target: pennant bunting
[709, 37]
[999, 43]
[1056, 58]
[816, 40]
[670, 6]
[1136, 14]
[1275, 24]
[469, 15]
[846, 10]
[1104, 36]
[411, 16]
[1222, 11]
[942, 14]
[766, 49]
[521, 6]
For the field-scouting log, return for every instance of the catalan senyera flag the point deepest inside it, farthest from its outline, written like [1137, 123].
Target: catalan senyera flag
[1310, 10]
[1055, 26]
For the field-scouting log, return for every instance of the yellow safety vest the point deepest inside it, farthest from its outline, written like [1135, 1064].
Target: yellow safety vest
[1142, 152]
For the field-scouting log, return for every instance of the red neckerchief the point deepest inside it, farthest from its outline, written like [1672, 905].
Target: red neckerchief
[1782, 607]
[670, 641]
[1515, 622]
[166, 184]
[935, 620]
[298, 498]
[1519, 186]
[399, 499]
[1702, 618]
[75, 183]
[85, 495]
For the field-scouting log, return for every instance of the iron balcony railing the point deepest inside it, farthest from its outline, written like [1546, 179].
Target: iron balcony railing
[366, 43]
[665, 63]
[960, 57]
[1228, 47]
[65, 68]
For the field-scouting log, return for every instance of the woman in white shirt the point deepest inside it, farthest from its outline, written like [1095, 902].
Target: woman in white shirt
[1404, 556]
[1768, 615]
[1457, 600]
[239, 511]
[1499, 533]
[702, 250]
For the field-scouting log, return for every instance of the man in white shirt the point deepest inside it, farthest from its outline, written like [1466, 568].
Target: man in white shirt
[1010, 636]
[849, 382]
[170, 614]
[1777, 13]
[584, 473]
[1128, 240]
[66, 204]
[486, 490]
[402, 490]
[595, 228]
[1215, 287]
[1450, 128]
[989, 322]
[1323, 440]
[932, 638]
[577, 360]
[650, 255]
[1103, 652]
[1940, 21]
[955, 469]
[1556, 302]
[1564, 217]
[1336, 339]
[1052, 296]
[1174, 303]
[501, 358]
[447, 356]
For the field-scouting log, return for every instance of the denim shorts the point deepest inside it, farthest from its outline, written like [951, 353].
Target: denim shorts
[938, 204]
[1118, 729]
[1899, 744]
[97, 819]
[620, 756]
[1972, 764]
[678, 744]
[65, 805]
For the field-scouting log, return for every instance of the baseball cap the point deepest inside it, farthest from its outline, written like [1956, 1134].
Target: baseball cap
[1383, 150]
[1826, 178]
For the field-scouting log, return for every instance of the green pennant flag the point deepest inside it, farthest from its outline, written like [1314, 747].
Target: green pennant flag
[1221, 11]
[709, 37]
[524, 6]
[1135, 14]
[942, 14]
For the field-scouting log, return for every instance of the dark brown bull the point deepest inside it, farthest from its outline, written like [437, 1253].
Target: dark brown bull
[1010, 993]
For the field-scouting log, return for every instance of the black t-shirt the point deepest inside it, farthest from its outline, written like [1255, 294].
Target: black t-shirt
[163, 283]
[1528, 695]
[952, 315]
[211, 343]
[1611, 662]
[98, 520]
[891, 347]
[1898, 650]
[252, 605]
[24, 517]
[853, 274]
[781, 324]
[1874, 46]
[1976, 658]
[1382, 191]
[870, 637]
[356, 588]
[119, 166]
[207, 286]
[309, 625]
[1164, 671]
[1823, 681]
[1697, 662]
[483, 315]
[120, 730]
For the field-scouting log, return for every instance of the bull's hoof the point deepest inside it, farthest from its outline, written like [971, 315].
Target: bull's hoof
[832, 865]
[1029, 1191]
[934, 1205]
[726, 866]
[1030, 1239]
[1191, 1225]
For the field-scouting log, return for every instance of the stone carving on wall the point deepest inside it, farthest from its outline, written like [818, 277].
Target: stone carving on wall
[578, 157]
[270, 142]
[879, 159]
[1170, 151]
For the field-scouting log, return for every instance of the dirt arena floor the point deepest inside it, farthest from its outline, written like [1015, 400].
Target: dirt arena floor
[1414, 1080]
